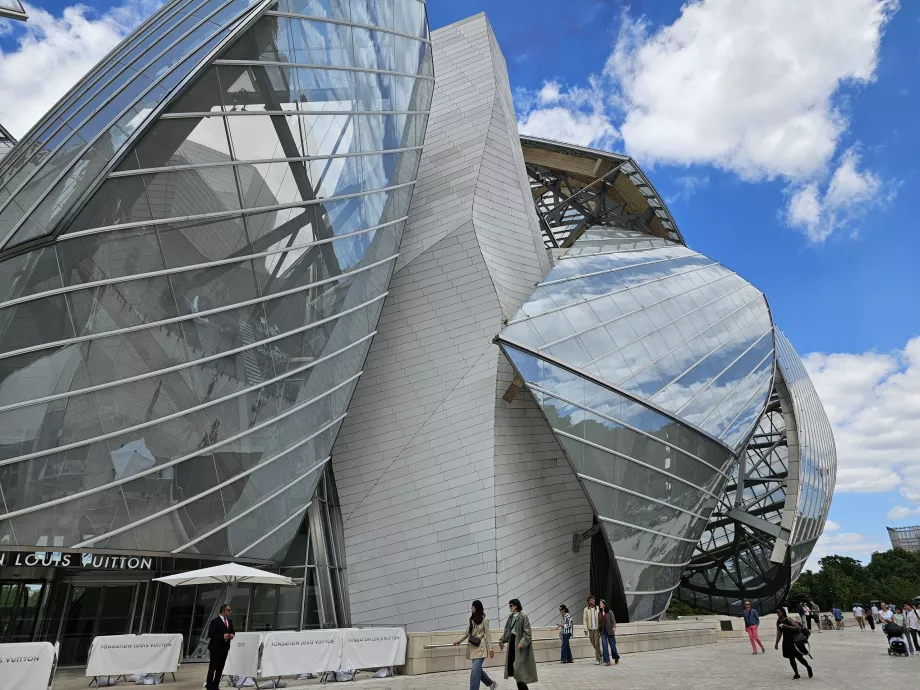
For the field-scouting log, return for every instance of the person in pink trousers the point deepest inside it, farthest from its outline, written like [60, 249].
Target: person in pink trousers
[751, 621]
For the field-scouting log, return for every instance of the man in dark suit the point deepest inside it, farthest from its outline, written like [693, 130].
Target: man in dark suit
[220, 632]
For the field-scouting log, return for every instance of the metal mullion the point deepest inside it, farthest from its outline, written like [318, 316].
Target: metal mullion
[770, 354]
[656, 563]
[330, 68]
[628, 426]
[100, 106]
[195, 315]
[726, 368]
[238, 162]
[616, 487]
[646, 529]
[588, 300]
[250, 113]
[616, 270]
[175, 415]
[345, 22]
[718, 347]
[243, 514]
[216, 488]
[229, 213]
[299, 513]
[642, 308]
[629, 458]
[114, 54]
[105, 130]
[190, 267]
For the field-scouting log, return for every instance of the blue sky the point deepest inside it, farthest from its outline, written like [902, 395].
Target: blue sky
[783, 135]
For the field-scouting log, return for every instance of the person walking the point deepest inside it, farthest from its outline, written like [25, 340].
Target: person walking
[590, 622]
[838, 617]
[913, 625]
[220, 634]
[803, 614]
[874, 610]
[793, 636]
[884, 615]
[478, 646]
[860, 615]
[751, 621]
[815, 615]
[870, 618]
[608, 626]
[900, 619]
[565, 632]
[519, 663]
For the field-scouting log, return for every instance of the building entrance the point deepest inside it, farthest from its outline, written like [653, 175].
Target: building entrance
[20, 605]
[92, 610]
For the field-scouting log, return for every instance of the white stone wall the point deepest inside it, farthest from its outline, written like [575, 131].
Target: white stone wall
[448, 493]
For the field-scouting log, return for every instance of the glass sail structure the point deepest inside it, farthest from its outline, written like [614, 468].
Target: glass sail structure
[197, 242]
[652, 364]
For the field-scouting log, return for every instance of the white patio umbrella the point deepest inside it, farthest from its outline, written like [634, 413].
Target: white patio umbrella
[226, 574]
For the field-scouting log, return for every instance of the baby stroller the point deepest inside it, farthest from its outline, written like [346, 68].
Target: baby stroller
[897, 645]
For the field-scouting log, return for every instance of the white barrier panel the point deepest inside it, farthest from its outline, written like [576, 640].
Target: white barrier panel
[243, 657]
[26, 665]
[373, 647]
[307, 651]
[115, 655]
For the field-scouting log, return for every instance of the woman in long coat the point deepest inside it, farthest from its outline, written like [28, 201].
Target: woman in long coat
[519, 663]
[478, 628]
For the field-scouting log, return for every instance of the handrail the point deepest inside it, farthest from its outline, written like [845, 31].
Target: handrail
[556, 639]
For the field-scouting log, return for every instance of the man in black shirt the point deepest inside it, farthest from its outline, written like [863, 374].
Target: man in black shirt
[220, 632]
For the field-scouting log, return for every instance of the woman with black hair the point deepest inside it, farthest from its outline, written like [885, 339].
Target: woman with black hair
[519, 663]
[791, 633]
[478, 645]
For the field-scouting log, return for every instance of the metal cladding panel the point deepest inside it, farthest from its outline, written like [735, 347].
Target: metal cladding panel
[174, 368]
[658, 321]
[814, 451]
[449, 493]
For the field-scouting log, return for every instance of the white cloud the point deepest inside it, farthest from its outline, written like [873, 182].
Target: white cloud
[902, 512]
[850, 194]
[852, 544]
[750, 86]
[873, 402]
[746, 85]
[831, 526]
[550, 93]
[575, 115]
[53, 52]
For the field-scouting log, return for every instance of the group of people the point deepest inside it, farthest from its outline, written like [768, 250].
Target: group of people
[809, 612]
[598, 625]
[906, 617]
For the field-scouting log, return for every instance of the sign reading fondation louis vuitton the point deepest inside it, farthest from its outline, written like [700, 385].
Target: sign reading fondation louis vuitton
[76, 560]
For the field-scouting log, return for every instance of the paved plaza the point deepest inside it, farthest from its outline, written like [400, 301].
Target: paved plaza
[848, 659]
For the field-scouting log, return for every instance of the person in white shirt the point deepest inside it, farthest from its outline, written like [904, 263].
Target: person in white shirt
[590, 621]
[860, 615]
[874, 611]
[913, 624]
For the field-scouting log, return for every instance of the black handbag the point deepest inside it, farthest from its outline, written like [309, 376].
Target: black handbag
[475, 641]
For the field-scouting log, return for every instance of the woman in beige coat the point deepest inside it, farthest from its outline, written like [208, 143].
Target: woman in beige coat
[478, 629]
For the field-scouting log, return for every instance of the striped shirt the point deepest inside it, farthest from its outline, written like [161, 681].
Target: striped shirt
[567, 624]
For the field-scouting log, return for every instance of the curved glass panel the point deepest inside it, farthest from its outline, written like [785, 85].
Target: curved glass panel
[658, 321]
[762, 533]
[174, 368]
[652, 481]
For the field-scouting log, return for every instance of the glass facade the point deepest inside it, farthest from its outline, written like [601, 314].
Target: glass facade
[652, 364]
[212, 219]
[7, 142]
[775, 508]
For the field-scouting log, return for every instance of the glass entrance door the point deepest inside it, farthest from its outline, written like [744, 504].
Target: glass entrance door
[93, 610]
[20, 603]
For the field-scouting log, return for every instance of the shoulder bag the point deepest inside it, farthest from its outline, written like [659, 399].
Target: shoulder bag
[475, 641]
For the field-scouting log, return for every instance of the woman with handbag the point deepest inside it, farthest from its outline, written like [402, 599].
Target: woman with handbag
[793, 637]
[478, 646]
[608, 626]
[519, 664]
